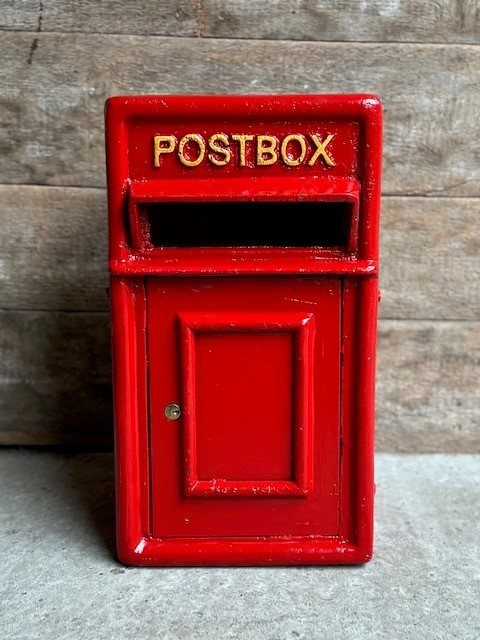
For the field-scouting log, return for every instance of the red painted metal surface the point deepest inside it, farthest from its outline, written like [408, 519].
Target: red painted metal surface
[250, 384]
[244, 259]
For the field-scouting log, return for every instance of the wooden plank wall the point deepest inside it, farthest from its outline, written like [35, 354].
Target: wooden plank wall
[60, 60]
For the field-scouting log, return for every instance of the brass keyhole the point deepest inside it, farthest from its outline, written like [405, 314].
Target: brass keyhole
[172, 411]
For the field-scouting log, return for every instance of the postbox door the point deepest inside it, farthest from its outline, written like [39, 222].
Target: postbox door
[254, 364]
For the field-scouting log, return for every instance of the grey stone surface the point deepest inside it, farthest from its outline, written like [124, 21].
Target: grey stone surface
[59, 578]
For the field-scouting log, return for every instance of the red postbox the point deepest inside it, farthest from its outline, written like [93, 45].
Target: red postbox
[244, 263]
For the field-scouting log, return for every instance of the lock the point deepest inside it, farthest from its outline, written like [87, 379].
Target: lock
[172, 411]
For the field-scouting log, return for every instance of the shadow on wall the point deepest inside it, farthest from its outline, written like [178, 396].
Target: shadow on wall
[55, 372]
[81, 394]
[57, 376]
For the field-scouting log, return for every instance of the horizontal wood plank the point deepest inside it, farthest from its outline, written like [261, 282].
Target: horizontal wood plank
[54, 255]
[55, 382]
[55, 379]
[442, 21]
[135, 17]
[430, 258]
[55, 85]
[344, 20]
[428, 396]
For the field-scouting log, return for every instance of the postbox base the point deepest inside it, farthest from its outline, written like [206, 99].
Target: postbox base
[242, 552]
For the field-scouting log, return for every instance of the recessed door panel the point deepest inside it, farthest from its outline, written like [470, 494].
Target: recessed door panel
[254, 365]
[242, 412]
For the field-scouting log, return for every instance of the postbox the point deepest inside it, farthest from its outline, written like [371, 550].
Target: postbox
[243, 264]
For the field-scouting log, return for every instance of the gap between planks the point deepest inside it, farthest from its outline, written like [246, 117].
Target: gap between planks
[371, 43]
[104, 312]
[429, 196]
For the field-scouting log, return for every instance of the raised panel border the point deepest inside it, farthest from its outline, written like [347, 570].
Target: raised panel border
[302, 326]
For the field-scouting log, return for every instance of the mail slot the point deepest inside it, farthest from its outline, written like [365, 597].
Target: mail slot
[243, 261]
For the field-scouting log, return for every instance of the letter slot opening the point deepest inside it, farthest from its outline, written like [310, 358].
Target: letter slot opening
[250, 224]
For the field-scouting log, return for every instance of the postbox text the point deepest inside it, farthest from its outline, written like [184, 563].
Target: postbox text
[220, 149]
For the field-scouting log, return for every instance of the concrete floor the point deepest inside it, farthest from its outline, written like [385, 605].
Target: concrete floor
[59, 578]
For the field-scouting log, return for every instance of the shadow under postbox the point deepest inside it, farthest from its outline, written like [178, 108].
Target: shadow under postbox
[244, 263]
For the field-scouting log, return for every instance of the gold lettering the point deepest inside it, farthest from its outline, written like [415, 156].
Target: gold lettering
[159, 148]
[293, 162]
[242, 139]
[213, 143]
[292, 149]
[191, 137]
[266, 145]
[320, 150]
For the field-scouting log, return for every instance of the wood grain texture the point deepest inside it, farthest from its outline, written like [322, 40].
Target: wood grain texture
[55, 382]
[136, 17]
[60, 60]
[344, 20]
[442, 21]
[55, 379]
[54, 254]
[430, 258]
[428, 396]
[52, 102]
